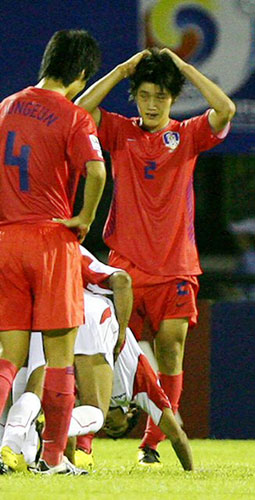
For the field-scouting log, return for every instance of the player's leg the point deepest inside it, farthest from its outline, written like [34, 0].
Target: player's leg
[14, 351]
[58, 394]
[25, 409]
[169, 350]
[94, 382]
[170, 315]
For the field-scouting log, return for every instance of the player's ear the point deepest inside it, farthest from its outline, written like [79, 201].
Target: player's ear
[83, 75]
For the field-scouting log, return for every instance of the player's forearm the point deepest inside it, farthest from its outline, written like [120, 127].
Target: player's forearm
[95, 94]
[183, 452]
[214, 95]
[94, 186]
[121, 285]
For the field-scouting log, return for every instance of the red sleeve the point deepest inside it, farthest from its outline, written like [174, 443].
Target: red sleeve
[92, 275]
[109, 128]
[203, 135]
[83, 144]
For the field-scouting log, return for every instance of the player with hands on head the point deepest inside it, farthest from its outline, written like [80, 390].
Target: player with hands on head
[46, 144]
[150, 227]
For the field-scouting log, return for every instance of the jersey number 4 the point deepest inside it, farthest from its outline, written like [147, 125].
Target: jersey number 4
[20, 161]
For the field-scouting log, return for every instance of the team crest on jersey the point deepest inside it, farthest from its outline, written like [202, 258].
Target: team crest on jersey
[171, 140]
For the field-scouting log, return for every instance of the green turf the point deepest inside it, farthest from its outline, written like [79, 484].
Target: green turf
[225, 470]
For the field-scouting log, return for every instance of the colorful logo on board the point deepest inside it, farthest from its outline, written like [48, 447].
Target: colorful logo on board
[214, 35]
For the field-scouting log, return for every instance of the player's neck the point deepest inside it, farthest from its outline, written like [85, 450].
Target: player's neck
[152, 130]
[50, 84]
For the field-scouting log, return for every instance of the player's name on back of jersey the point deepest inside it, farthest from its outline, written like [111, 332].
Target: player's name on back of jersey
[31, 110]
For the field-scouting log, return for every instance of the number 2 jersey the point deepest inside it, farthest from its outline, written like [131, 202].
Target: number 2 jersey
[151, 220]
[45, 142]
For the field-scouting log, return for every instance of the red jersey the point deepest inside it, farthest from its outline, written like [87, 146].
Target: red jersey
[45, 142]
[151, 220]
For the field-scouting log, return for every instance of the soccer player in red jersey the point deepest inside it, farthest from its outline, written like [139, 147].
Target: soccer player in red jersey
[150, 227]
[46, 144]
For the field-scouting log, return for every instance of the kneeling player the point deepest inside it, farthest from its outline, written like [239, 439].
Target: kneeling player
[135, 381]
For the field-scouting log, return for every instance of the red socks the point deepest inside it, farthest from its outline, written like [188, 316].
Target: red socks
[57, 403]
[85, 442]
[172, 385]
[7, 374]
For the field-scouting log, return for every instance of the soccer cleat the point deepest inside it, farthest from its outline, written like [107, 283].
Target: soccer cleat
[65, 468]
[148, 457]
[4, 469]
[83, 459]
[13, 461]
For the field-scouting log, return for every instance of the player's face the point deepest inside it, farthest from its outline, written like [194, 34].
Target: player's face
[154, 106]
[116, 422]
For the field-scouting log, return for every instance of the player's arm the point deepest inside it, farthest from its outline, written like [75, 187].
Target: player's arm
[180, 443]
[121, 284]
[95, 94]
[223, 108]
[93, 190]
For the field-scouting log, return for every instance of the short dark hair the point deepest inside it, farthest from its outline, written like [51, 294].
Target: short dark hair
[67, 53]
[135, 414]
[158, 68]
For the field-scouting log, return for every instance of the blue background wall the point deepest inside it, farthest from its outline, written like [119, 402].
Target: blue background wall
[27, 25]
[233, 370]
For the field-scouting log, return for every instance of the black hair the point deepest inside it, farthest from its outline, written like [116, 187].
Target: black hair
[67, 53]
[132, 422]
[158, 68]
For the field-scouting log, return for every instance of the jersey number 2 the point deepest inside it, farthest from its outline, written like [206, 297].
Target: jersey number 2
[148, 169]
[20, 161]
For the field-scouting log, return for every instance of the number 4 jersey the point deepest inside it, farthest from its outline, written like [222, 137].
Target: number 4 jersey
[151, 221]
[45, 142]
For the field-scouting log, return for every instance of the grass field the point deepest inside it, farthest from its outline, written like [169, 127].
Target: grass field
[225, 470]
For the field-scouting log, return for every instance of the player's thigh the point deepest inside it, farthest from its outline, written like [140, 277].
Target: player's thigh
[59, 347]
[15, 346]
[56, 279]
[94, 378]
[172, 300]
[15, 292]
[172, 331]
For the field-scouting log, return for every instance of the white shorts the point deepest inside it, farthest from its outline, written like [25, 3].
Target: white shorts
[100, 332]
[98, 336]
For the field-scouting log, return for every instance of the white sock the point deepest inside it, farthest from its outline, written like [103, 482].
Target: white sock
[20, 417]
[30, 445]
[85, 419]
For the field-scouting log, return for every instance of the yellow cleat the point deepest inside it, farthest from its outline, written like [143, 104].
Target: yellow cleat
[83, 460]
[14, 461]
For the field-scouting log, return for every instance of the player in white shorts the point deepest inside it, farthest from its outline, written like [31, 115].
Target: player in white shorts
[97, 342]
[134, 379]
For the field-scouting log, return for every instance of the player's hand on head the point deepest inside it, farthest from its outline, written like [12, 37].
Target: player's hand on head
[180, 63]
[77, 225]
[128, 67]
